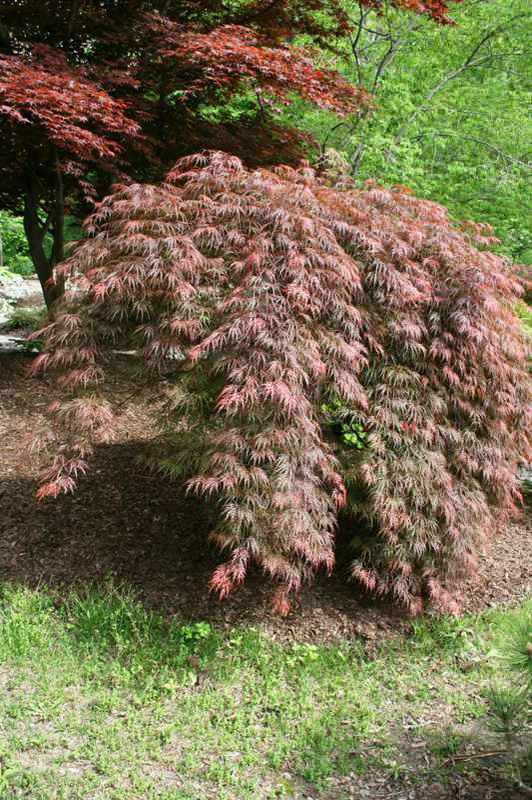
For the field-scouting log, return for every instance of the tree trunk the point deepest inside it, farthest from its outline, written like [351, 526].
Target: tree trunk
[36, 231]
[58, 249]
[43, 267]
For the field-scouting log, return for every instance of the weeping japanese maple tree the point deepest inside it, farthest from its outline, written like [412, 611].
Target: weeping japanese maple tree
[272, 302]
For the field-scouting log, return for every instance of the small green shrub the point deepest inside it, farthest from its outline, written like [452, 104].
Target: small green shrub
[517, 653]
[28, 319]
[344, 424]
[524, 312]
[16, 256]
[510, 707]
[507, 710]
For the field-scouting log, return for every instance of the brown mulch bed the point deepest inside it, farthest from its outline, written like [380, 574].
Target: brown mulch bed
[125, 523]
[480, 785]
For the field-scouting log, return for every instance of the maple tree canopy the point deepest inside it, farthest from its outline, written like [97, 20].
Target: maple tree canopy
[90, 91]
[269, 299]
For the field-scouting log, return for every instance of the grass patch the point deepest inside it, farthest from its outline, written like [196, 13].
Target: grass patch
[103, 698]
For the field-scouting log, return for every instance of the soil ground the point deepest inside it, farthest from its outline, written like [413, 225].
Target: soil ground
[137, 529]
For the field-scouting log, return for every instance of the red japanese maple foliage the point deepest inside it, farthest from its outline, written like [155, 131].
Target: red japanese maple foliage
[264, 296]
[56, 125]
[46, 91]
[83, 84]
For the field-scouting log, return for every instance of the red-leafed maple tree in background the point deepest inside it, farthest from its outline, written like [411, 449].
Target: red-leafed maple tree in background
[268, 298]
[89, 90]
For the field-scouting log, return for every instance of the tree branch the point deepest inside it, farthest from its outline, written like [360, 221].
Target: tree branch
[331, 131]
[252, 15]
[355, 41]
[473, 139]
[72, 21]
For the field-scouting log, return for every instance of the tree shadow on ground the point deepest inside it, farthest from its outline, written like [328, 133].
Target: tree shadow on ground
[141, 530]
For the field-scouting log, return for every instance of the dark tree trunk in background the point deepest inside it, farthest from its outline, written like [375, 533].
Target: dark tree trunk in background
[58, 228]
[36, 231]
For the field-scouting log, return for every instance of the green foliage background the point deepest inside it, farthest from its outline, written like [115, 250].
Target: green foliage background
[468, 145]
[16, 254]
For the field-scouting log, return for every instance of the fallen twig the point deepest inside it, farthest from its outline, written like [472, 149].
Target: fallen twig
[472, 756]
[524, 788]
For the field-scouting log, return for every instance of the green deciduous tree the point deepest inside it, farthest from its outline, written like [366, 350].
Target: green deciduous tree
[451, 116]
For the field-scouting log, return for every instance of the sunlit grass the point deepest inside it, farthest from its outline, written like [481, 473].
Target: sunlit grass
[103, 698]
